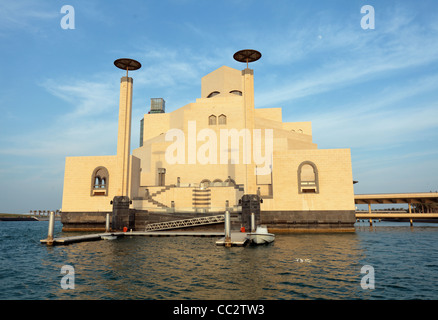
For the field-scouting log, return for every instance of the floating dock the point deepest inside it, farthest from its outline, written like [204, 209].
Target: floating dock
[238, 239]
[228, 238]
[108, 235]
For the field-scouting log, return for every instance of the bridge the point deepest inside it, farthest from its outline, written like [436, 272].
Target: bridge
[427, 200]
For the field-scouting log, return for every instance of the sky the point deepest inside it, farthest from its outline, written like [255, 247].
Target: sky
[374, 91]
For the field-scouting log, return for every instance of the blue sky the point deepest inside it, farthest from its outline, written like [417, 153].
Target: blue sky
[374, 91]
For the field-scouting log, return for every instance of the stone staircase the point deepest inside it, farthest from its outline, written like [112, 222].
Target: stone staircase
[150, 197]
[156, 203]
[239, 187]
[162, 190]
[201, 198]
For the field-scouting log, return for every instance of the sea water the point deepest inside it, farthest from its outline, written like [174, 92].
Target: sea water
[404, 261]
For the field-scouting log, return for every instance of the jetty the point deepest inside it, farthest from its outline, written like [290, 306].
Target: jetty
[115, 235]
[153, 230]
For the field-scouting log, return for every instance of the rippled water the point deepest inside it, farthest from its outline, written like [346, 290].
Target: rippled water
[297, 266]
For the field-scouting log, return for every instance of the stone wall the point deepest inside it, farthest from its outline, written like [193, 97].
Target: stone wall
[276, 221]
[308, 221]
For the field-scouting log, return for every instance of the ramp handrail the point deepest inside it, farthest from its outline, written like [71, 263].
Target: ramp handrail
[185, 223]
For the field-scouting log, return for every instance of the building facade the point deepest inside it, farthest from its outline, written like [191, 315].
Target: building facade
[202, 158]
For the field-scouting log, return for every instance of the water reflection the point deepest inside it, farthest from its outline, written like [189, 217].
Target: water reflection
[300, 266]
[312, 266]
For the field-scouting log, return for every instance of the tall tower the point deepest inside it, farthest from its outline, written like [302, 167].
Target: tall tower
[250, 200]
[248, 100]
[121, 217]
[247, 56]
[124, 134]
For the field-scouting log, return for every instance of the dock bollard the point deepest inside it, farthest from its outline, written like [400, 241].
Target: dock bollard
[227, 229]
[51, 228]
[107, 223]
[253, 226]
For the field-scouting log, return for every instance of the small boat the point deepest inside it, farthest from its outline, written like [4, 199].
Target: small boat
[108, 237]
[261, 236]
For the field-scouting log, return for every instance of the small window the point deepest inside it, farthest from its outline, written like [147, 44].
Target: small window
[222, 119]
[141, 131]
[99, 182]
[236, 92]
[213, 94]
[308, 178]
[212, 120]
[161, 177]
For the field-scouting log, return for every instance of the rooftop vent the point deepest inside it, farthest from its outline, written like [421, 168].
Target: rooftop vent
[158, 105]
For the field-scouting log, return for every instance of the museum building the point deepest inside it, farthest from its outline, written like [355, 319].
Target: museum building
[201, 159]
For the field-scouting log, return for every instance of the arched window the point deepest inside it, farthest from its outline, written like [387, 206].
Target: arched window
[308, 178]
[99, 182]
[222, 119]
[214, 93]
[236, 92]
[217, 183]
[212, 120]
[205, 183]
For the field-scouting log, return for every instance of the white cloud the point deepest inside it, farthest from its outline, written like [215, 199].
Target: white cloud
[87, 124]
[88, 98]
[26, 14]
[167, 66]
[347, 55]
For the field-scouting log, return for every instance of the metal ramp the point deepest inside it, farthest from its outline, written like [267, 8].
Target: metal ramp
[185, 223]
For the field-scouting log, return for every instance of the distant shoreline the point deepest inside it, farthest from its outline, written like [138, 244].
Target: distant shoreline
[16, 217]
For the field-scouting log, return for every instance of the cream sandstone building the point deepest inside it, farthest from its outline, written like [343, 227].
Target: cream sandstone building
[193, 162]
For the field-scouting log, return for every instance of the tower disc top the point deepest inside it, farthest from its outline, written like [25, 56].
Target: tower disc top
[127, 64]
[247, 55]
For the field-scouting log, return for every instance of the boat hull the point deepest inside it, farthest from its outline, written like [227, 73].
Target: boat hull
[261, 238]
